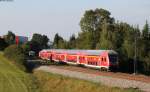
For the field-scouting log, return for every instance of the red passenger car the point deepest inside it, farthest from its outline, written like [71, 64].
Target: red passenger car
[91, 58]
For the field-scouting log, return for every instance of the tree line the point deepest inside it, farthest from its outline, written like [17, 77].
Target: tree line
[99, 31]
[19, 53]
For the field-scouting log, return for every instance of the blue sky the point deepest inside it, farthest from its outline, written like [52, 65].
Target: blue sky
[25, 17]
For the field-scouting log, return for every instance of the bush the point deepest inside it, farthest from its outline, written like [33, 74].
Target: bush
[15, 54]
[3, 44]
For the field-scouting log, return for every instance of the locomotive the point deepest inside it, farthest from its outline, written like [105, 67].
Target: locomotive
[102, 59]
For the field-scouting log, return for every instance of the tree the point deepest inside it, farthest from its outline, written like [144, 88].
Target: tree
[145, 48]
[146, 37]
[58, 41]
[93, 20]
[92, 25]
[146, 30]
[10, 38]
[105, 41]
[128, 46]
[39, 42]
[26, 48]
[72, 42]
[3, 44]
[16, 55]
[85, 40]
[42, 40]
[62, 44]
[99, 30]
[45, 41]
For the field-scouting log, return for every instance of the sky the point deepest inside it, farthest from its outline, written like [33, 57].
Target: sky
[48, 17]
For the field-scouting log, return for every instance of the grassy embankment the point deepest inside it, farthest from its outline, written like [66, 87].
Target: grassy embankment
[12, 79]
[57, 83]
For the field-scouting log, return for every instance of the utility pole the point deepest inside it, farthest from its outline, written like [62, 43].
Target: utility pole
[135, 60]
[135, 52]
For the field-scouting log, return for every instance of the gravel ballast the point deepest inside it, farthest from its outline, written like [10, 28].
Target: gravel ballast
[106, 80]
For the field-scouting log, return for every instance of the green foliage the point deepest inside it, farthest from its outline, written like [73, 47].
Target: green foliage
[3, 44]
[86, 40]
[59, 42]
[10, 38]
[12, 79]
[15, 54]
[92, 20]
[38, 42]
[146, 30]
[105, 41]
[26, 48]
[100, 31]
[72, 42]
[92, 26]
[42, 40]
[145, 49]
[129, 44]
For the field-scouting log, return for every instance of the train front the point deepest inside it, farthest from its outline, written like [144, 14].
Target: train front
[113, 60]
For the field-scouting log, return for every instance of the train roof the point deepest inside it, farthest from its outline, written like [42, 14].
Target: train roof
[84, 52]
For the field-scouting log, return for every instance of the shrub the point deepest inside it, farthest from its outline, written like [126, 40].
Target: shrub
[15, 54]
[3, 44]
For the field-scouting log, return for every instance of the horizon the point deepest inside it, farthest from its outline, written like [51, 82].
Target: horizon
[50, 17]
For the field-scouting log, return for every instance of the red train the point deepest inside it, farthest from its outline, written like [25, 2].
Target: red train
[103, 59]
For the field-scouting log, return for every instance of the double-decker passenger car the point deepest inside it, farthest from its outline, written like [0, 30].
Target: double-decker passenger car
[103, 59]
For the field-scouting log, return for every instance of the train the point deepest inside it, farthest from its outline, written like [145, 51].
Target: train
[101, 59]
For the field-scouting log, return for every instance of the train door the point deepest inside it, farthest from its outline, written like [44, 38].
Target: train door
[82, 60]
[104, 62]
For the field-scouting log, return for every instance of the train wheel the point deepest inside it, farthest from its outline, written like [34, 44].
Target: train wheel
[103, 69]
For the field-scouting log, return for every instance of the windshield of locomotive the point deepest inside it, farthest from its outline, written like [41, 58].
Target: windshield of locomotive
[113, 58]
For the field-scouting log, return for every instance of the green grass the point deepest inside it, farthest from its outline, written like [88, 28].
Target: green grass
[12, 79]
[57, 83]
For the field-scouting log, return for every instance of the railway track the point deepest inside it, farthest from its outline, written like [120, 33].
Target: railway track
[120, 80]
[138, 77]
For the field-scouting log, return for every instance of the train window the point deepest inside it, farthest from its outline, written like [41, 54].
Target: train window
[113, 58]
[104, 59]
[92, 63]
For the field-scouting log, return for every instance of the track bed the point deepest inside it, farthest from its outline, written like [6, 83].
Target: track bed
[141, 78]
